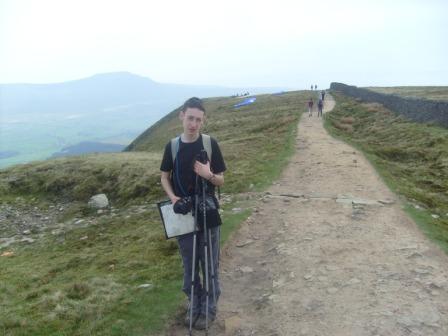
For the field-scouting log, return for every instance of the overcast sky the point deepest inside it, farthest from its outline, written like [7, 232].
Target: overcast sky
[229, 43]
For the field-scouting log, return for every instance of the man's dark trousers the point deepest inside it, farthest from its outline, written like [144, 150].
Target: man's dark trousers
[186, 251]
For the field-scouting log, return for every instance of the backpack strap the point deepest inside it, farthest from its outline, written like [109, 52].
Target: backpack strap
[206, 143]
[174, 147]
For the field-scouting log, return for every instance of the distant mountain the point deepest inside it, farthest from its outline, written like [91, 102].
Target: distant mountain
[102, 91]
[7, 154]
[38, 120]
[86, 147]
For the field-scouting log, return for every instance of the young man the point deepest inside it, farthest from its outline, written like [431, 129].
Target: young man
[181, 178]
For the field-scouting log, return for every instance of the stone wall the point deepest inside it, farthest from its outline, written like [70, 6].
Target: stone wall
[416, 109]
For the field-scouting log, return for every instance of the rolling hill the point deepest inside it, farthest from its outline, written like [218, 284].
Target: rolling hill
[38, 120]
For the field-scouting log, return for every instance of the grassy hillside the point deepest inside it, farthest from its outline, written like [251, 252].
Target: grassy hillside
[81, 275]
[412, 158]
[124, 177]
[426, 92]
[252, 138]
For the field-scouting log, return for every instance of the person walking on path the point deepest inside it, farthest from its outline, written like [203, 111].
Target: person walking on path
[179, 179]
[310, 107]
[320, 106]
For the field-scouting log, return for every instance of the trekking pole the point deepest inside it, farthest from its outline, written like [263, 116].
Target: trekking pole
[192, 282]
[203, 159]
[193, 268]
[212, 265]
[205, 254]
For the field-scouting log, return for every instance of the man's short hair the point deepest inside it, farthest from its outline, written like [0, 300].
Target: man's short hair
[193, 102]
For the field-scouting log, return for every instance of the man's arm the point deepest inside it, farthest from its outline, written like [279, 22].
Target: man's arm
[166, 185]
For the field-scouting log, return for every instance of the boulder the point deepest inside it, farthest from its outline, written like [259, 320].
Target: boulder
[99, 201]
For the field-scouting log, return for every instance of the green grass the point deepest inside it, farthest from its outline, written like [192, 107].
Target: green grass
[412, 158]
[82, 285]
[67, 284]
[124, 177]
[255, 139]
[426, 92]
[232, 221]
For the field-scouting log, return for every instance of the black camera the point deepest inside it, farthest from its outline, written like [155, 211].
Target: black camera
[183, 206]
[209, 203]
[202, 157]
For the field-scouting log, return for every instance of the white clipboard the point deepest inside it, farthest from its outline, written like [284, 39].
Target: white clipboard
[175, 224]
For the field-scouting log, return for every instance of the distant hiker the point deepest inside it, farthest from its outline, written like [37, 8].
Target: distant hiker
[181, 177]
[310, 107]
[311, 87]
[320, 106]
[315, 87]
[322, 95]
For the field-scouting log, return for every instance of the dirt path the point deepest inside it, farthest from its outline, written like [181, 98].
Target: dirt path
[330, 252]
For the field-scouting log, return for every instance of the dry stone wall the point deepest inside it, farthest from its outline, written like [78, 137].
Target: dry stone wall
[420, 110]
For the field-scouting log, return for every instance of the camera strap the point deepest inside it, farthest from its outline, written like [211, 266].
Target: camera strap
[177, 171]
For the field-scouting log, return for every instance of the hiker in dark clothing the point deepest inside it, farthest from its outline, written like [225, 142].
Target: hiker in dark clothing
[179, 172]
[310, 107]
[320, 106]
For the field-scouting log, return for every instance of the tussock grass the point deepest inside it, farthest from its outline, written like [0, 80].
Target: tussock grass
[84, 281]
[348, 120]
[411, 157]
[123, 177]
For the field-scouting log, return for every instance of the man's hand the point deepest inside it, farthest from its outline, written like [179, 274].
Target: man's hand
[203, 170]
[166, 185]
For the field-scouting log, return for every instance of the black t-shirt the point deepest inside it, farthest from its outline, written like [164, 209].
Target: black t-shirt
[183, 177]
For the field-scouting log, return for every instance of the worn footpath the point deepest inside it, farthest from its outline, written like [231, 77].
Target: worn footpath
[329, 251]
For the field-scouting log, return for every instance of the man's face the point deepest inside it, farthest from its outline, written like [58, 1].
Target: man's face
[192, 120]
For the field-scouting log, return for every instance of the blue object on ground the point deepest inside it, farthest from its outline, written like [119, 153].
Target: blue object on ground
[245, 102]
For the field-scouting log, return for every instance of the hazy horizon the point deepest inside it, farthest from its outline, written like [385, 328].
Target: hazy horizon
[237, 44]
[118, 72]
[211, 85]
